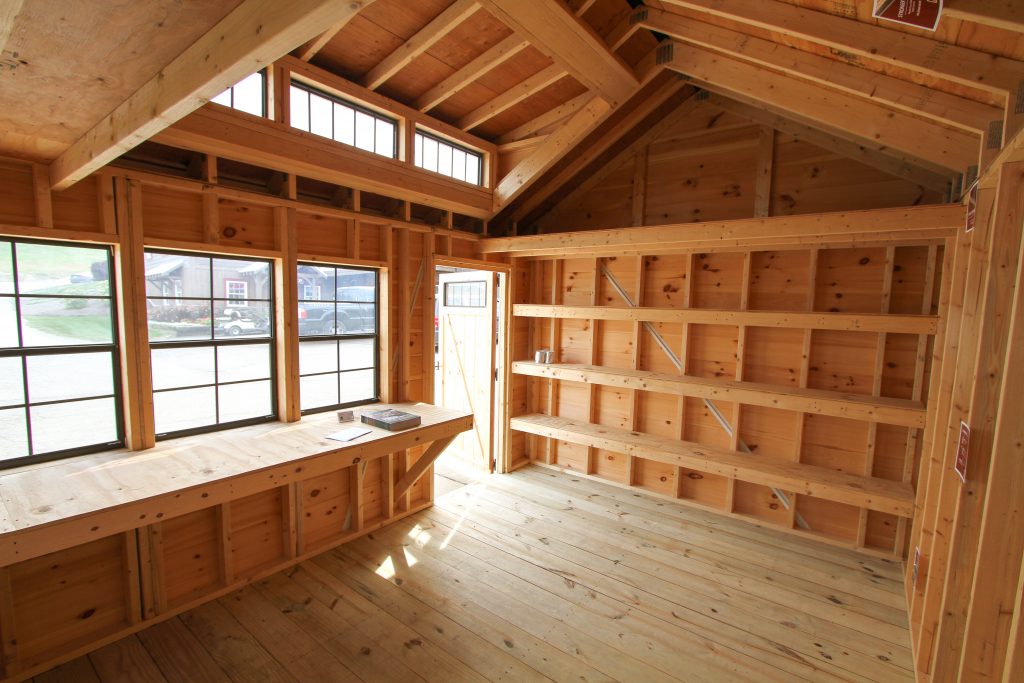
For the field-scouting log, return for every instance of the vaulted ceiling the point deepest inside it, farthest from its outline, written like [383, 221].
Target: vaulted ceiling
[560, 87]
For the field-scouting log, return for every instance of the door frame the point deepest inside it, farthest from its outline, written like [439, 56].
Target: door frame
[500, 381]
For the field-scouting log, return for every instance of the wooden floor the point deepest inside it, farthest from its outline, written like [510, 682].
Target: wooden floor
[534, 576]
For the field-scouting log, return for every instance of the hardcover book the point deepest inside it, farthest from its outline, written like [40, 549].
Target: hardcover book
[390, 419]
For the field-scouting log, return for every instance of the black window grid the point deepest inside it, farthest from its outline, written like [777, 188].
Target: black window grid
[338, 338]
[25, 352]
[215, 342]
[446, 149]
[378, 119]
[263, 98]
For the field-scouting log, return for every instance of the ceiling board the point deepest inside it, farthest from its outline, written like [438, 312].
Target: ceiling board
[547, 99]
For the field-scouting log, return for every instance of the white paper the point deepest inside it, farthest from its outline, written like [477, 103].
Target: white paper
[348, 434]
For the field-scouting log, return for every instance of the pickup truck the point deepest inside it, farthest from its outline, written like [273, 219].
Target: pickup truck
[352, 314]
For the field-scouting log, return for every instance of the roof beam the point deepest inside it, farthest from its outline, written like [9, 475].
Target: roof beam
[550, 151]
[863, 40]
[425, 38]
[548, 118]
[961, 112]
[924, 143]
[1004, 14]
[8, 13]
[511, 97]
[877, 159]
[553, 29]
[254, 34]
[494, 57]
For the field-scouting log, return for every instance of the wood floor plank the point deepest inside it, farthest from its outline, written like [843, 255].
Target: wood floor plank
[720, 591]
[126, 660]
[179, 655]
[724, 618]
[540, 576]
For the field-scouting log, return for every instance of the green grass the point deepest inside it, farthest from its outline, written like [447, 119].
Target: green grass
[89, 328]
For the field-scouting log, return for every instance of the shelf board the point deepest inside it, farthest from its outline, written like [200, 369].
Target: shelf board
[871, 493]
[883, 410]
[853, 322]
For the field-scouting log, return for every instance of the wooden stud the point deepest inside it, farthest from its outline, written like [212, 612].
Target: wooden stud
[287, 317]
[41, 194]
[765, 164]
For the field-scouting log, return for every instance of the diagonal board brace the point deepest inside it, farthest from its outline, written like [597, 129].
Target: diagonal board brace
[783, 498]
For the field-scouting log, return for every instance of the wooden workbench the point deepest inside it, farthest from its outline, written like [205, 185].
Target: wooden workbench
[94, 547]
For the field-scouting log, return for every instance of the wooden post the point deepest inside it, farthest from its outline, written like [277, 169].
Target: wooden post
[765, 164]
[287, 316]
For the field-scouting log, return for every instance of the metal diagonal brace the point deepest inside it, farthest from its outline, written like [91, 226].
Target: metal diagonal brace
[783, 498]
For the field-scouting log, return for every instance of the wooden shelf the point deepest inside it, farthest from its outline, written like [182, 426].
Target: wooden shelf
[865, 492]
[892, 411]
[855, 322]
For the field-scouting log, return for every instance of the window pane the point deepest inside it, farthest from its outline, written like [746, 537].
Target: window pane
[73, 425]
[458, 164]
[318, 391]
[173, 321]
[318, 356]
[12, 390]
[184, 409]
[62, 270]
[385, 138]
[316, 283]
[234, 320]
[187, 367]
[356, 285]
[6, 269]
[364, 131]
[298, 103]
[472, 169]
[223, 98]
[357, 386]
[430, 154]
[417, 156]
[249, 94]
[357, 353]
[241, 280]
[63, 322]
[316, 318]
[344, 124]
[356, 319]
[174, 276]
[13, 434]
[48, 376]
[444, 159]
[244, 401]
[8, 324]
[321, 115]
[238, 362]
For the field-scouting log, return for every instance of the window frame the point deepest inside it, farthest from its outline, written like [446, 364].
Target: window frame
[25, 352]
[357, 107]
[337, 338]
[423, 134]
[216, 342]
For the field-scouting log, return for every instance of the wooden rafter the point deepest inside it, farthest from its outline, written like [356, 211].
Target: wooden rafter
[495, 56]
[1004, 14]
[425, 38]
[511, 97]
[253, 35]
[548, 118]
[879, 159]
[553, 29]
[961, 112]
[924, 143]
[8, 13]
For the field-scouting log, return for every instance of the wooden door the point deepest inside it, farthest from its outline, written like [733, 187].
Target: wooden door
[466, 346]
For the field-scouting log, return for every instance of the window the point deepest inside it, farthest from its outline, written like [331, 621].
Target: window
[212, 342]
[337, 336]
[437, 155]
[59, 372]
[465, 294]
[248, 95]
[342, 121]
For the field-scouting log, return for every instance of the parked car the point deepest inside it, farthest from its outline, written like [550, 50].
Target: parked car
[353, 313]
[238, 321]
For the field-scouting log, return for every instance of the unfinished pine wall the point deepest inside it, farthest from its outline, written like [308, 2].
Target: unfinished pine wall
[93, 590]
[710, 160]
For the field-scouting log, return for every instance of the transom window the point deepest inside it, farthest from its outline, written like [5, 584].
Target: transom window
[211, 334]
[59, 371]
[448, 159]
[248, 95]
[465, 294]
[338, 319]
[345, 122]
